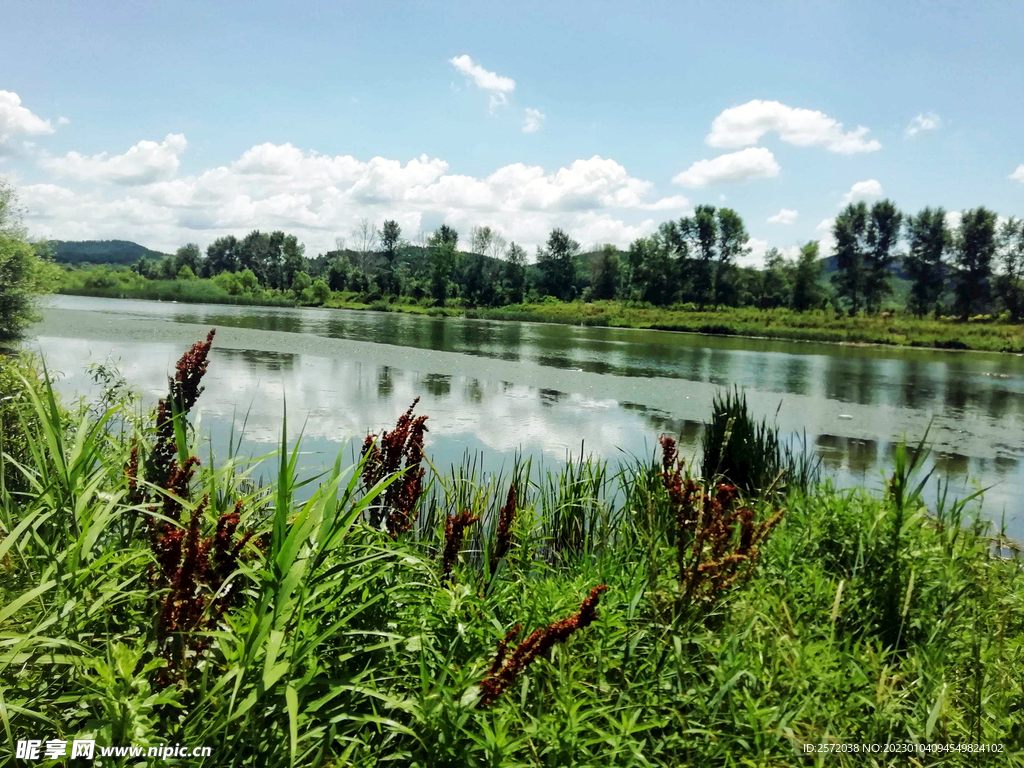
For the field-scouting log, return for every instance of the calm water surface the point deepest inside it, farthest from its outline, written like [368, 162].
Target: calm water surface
[546, 390]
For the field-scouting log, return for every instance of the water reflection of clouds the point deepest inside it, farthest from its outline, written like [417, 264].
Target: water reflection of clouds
[333, 400]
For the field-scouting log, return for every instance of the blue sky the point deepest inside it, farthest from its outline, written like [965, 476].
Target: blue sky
[260, 115]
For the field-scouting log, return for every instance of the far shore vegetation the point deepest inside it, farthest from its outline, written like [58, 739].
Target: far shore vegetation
[889, 278]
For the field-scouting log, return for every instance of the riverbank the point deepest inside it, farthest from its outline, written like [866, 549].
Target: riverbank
[569, 625]
[980, 334]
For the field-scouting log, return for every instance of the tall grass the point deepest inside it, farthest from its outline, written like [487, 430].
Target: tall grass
[350, 646]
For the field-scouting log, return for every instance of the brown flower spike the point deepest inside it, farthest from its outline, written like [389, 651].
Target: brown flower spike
[503, 674]
[454, 533]
[711, 556]
[404, 442]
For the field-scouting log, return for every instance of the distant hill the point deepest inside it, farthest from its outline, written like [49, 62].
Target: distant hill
[100, 251]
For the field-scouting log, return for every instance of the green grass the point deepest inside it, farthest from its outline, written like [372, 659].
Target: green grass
[866, 619]
[123, 284]
[982, 334]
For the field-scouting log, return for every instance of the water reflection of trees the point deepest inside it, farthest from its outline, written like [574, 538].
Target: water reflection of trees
[550, 397]
[474, 391]
[852, 453]
[851, 380]
[258, 362]
[437, 384]
[385, 382]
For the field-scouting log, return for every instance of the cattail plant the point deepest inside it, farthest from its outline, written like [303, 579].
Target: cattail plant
[454, 533]
[403, 443]
[503, 672]
[716, 538]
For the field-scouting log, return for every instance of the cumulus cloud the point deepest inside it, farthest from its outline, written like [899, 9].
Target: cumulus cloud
[63, 120]
[863, 190]
[17, 121]
[923, 122]
[534, 120]
[319, 197]
[145, 162]
[785, 216]
[671, 203]
[1018, 175]
[744, 125]
[752, 163]
[497, 86]
[826, 241]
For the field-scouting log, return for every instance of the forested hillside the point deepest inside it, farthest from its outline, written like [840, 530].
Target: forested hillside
[100, 252]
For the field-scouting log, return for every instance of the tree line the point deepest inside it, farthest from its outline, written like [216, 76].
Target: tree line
[973, 267]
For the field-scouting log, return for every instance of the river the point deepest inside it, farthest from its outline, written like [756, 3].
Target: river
[494, 388]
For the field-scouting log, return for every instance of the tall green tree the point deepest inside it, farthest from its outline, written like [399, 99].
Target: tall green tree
[974, 247]
[1009, 282]
[850, 233]
[807, 290]
[883, 234]
[480, 239]
[701, 230]
[604, 273]
[649, 271]
[292, 262]
[774, 288]
[443, 260]
[222, 256]
[254, 254]
[557, 263]
[928, 238]
[515, 273]
[731, 246]
[189, 256]
[390, 240]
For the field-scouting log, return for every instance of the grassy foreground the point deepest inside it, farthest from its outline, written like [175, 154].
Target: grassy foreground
[982, 333]
[405, 615]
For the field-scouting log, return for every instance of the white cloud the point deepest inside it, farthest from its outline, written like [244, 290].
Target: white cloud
[826, 241]
[16, 120]
[863, 190]
[534, 120]
[145, 162]
[953, 219]
[785, 216]
[758, 248]
[752, 163]
[744, 125]
[63, 120]
[497, 86]
[671, 203]
[1018, 175]
[319, 197]
[923, 122]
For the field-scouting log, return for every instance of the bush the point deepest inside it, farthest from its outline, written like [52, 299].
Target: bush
[23, 275]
